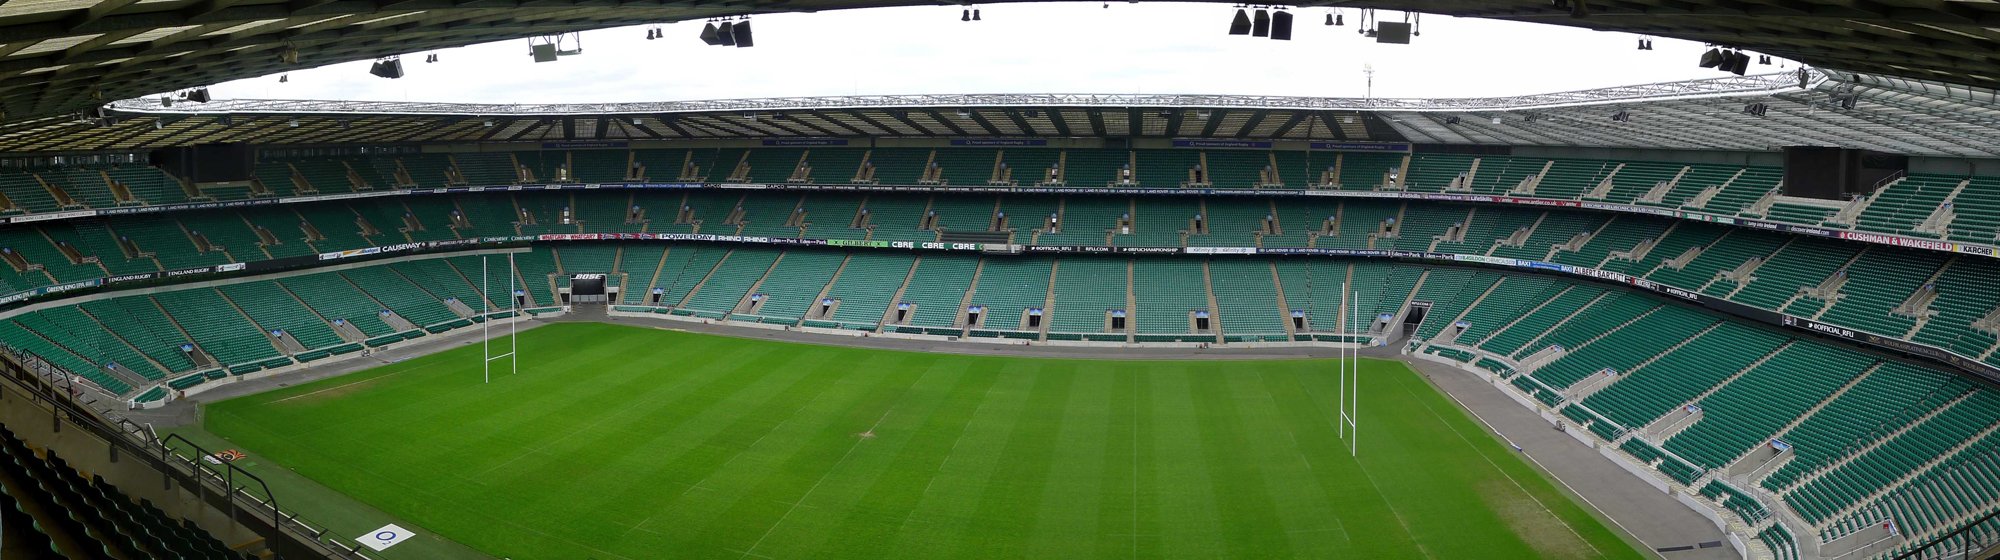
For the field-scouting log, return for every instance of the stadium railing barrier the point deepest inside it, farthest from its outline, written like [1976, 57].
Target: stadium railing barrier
[284, 532]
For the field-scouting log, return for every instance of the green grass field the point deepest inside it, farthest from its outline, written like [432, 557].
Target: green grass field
[626, 442]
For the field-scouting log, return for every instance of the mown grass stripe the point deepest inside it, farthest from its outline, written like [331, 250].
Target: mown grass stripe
[618, 442]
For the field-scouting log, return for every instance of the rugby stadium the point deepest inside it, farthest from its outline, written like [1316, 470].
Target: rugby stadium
[975, 325]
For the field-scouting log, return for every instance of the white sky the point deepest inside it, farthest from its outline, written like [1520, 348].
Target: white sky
[1053, 47]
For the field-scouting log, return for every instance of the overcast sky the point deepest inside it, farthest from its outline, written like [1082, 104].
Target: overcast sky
[1067, 47]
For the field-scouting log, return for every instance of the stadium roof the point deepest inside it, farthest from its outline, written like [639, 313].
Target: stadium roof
[63, 55]
[1888, 114]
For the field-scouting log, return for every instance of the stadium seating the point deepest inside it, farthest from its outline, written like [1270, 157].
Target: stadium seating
[1613, 235]
[936, 287]
[1446, 308]
[408, 300]
[1751, 409]
[1514, 296]
[58, 511]
[1245, 297]
[275, 308]
[866, 288]
[1544, 317]
[1643, 394]
[439, 278]
[1938, 437]
[963, 213]
[1877, 282]
[216, 326]
[1159, 224]
[1889, 399]
[1008, 287]
[792, 288]
[335, 298]
[1978, 212]
[1618, 333]
[718, 294]
[1903, 204]
[1857, 423]
[1167, 291]
[1085, 289]
[1868, 301]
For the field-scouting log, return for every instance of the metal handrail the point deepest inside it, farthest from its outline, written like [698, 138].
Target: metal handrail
[36, 377]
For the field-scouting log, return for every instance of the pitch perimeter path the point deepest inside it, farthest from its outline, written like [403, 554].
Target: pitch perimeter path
[624, 442]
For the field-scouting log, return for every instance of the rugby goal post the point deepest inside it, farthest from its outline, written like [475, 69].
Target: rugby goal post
[1350, 373]
[486, 321]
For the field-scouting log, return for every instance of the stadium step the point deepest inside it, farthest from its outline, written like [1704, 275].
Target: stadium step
[815, 311]
[710, 273]
[1828, 290]
[889, 314]
[1347, 291]
[1746, 273]
[1527, 185]
[1284, 307]
[1208, 288]
[1517, 238]
[1131, 303]
[1701, 200]
[1762, 206]
[1450, 333]
[749, 302]
[347, 331]
[1578, 241]
[1948, 454]
[1558, 326]
[1918, 304]
[1658, 193]
[1938, 222]
[122, 340]
[1528, 364]
[1049, 300]
[1638, 252]
[388, 314]
[1681, 261]
[1455, 233]
[1725, 382]
[1848, 213]
[960, 316]
[468, 281]
[1863, 451]
[1603, 188]
[1392, 330]
[198, 356]
[1330, 227]
[1757, 468]
[1578, 393]
[1525, 314]
[1463, 182]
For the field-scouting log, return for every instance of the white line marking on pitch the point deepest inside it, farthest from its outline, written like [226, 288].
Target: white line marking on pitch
[910, 515]
[1135, 467]
[760, 439]
[809, 491]
[1503, 472]
[1552, 474]
[340, 386]
[1339, 525]
[605, 417]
